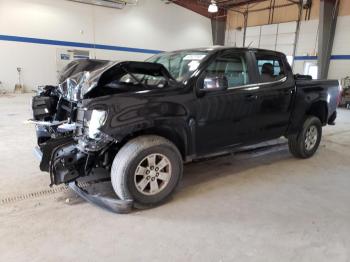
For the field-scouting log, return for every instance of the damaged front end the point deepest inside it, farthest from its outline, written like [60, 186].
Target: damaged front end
[71, 148]
[69, 117]
[73, 120]
[69, 141]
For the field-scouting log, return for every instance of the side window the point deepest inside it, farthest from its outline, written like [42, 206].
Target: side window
[270, 68]
[231, 66]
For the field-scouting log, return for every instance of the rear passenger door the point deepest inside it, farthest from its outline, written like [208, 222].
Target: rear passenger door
[276, 88]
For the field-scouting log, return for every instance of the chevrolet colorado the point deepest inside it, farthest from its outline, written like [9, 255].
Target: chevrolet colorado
[143, 120]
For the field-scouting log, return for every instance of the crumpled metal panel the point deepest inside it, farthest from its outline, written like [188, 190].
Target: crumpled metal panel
[81, 76]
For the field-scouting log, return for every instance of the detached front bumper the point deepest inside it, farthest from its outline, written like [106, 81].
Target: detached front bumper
[37, 153]
[114, 205]
[66, 164]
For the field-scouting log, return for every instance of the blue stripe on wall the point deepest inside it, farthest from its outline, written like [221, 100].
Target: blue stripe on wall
[120, 48]
[333, 57]
[305, 58]
[76, 44]
[340, 57]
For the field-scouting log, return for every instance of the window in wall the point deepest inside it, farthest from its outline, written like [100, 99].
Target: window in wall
[311, 68]
[270, 68]
[65, 56]
[290, 60]
[232, 66]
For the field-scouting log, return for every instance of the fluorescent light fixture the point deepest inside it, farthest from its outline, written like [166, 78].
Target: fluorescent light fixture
[119, 4]
[213, 8]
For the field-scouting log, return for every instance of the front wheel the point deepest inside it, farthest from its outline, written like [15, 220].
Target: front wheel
[306, 142]
[147, 169]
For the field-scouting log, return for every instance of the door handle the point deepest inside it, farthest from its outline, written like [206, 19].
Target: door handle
[251, 97]
[288, 91]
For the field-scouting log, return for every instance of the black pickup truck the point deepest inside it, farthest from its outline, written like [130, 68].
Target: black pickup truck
[143, 120]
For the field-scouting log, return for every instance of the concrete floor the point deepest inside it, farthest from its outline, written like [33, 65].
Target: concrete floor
[254, 207]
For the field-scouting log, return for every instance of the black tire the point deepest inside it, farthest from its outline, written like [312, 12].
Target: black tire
[296, 143]
[131, 155]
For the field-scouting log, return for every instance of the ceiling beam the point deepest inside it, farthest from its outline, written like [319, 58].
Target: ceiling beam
[235, 3]
[193, 6]
[201, 6]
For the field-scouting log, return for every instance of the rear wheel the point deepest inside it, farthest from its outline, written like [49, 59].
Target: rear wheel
[147, 169]
[306, 142]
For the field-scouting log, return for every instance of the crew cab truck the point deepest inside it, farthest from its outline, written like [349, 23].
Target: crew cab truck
[143, 120]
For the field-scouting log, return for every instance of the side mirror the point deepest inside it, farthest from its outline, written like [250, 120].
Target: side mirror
[215, 83]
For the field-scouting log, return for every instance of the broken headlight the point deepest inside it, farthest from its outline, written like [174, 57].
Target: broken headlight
[93, 139]
[97, 120]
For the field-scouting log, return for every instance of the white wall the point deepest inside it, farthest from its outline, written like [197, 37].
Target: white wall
[149, 25]
[307, 46]
[341, 46]
[279, 37]
[307, 43]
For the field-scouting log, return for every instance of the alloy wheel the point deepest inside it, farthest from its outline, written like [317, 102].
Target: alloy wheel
[311, 137]
[152, 174]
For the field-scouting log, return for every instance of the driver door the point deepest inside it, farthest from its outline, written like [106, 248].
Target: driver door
[226, 115]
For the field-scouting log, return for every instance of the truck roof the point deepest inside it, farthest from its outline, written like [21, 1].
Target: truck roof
[216, 48]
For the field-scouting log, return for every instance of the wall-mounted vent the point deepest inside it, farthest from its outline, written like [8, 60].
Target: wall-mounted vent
[119, 4]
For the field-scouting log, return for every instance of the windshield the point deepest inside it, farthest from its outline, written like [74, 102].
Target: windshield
[180, 64]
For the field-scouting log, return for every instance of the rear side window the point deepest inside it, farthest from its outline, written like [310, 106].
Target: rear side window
[270, 68]
[232, 66]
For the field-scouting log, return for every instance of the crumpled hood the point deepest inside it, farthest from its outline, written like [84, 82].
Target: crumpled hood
[80, 77]
[82, 65]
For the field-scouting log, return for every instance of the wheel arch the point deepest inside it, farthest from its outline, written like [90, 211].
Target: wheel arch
[178, 138]
[319, 109]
